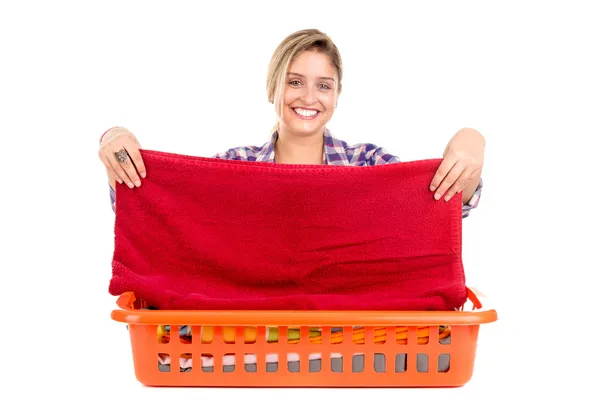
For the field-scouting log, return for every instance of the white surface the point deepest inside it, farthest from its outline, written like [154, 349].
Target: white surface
[189, 78]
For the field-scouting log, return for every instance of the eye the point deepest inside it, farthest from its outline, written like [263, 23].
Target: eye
[324, 86]
[295, 80]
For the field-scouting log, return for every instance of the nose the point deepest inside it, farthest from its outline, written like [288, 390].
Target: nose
[309, 95]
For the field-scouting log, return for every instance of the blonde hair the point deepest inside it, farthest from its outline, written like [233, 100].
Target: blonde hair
[287, 51]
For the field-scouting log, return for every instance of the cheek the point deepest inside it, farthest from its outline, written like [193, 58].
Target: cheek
[328, 101]
[288, 97]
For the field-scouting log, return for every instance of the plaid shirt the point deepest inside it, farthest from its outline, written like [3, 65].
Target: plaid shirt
[336, 152]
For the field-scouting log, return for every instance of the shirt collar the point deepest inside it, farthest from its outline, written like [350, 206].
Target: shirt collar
[334, 150]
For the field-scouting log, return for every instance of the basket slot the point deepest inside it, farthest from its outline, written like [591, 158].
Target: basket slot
[445, 340]
[316, 365]
[443, 363]
[229, 362]
[422, 360]
[163, 334]
[335, 335]
[188, 363]
[184, 333]
[163, 367]
[358, 363]
[252, 368]
[379, 362]
[268, 366]
[425, 334]
[207, 368]
[401, 364]
[335, 364]
[295, 365]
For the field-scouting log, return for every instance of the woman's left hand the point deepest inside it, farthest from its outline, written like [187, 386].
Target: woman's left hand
[460, 170]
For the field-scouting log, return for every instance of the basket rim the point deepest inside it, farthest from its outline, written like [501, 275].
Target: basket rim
[127, 314]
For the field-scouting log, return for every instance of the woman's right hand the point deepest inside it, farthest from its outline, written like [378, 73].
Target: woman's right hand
[119, 152]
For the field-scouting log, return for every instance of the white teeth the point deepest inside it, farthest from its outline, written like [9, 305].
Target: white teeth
[305, 113]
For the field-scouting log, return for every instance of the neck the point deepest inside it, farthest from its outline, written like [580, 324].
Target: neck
[291, 148]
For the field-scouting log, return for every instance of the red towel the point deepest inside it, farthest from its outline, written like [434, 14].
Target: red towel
[204, 233]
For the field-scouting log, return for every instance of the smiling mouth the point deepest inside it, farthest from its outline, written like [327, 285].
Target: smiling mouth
[305, 113]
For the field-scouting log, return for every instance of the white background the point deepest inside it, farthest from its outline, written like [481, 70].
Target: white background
[189, 77]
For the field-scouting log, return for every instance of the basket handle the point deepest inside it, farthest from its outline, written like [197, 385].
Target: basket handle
[126, 301]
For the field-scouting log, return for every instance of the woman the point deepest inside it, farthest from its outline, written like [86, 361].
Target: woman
[304, 82]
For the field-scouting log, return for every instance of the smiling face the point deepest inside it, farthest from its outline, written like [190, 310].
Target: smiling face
[310, 94]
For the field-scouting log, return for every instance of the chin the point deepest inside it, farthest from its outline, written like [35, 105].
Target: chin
[304, 127]
[306, 130]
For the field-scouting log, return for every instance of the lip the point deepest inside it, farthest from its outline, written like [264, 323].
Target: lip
[303, 117]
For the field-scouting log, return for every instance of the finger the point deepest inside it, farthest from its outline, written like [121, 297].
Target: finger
[129, 168]
[460, 183]
[449, 180]
[118, 169]
[136, 157]
[445, 166]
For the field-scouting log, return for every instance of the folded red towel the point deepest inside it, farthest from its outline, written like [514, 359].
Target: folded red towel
[204, 233]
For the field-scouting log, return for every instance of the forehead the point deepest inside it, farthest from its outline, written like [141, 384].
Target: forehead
[313, 64]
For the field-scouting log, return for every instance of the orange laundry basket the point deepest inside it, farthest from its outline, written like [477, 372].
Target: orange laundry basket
[311, 348]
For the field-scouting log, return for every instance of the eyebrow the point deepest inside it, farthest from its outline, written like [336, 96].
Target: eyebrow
[302, 76]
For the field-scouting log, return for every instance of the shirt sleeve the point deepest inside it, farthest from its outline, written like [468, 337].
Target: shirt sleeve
[380, 156]
[113, 198]
[236, 153]
[105, 132]
[222, 155]
[473, 201]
